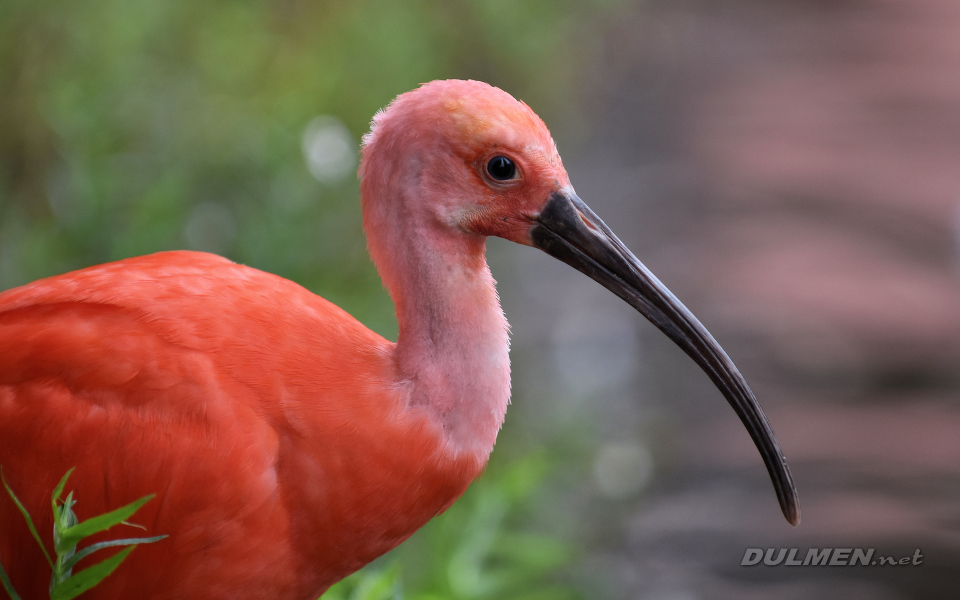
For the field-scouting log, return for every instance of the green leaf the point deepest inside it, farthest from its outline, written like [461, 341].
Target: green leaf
[66, 517]
[59, 490]
[7, 585]
[68, 564]
[26, 515]
[63, 517]
[87, 578]
[72, 535]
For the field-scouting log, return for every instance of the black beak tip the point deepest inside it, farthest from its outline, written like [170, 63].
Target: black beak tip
[791, 510]
[790, 505]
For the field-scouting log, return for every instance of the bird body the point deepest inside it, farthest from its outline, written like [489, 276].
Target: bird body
[287, 444]
[234, 395]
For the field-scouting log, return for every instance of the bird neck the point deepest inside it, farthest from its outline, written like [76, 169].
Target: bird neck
[452, 349]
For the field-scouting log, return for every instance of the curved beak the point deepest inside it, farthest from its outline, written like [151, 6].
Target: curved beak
[568, 230]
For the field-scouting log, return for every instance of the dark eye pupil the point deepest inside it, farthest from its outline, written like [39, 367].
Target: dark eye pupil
[501, 168]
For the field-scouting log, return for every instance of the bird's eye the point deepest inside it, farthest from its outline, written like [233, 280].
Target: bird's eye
[501, 168]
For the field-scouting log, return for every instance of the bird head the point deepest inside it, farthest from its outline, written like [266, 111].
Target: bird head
[467, 161]
[485, 162]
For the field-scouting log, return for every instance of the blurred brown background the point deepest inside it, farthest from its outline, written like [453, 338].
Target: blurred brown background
[792, 170]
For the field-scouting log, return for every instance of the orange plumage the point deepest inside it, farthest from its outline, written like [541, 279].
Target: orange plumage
[238, 419]
[289, 445]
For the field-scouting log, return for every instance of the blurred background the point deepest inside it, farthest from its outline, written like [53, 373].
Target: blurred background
[791, 169]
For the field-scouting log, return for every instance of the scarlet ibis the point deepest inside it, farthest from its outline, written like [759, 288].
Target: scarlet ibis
[289, 445]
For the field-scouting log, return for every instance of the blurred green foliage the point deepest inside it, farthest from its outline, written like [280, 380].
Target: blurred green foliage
[134, 126]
